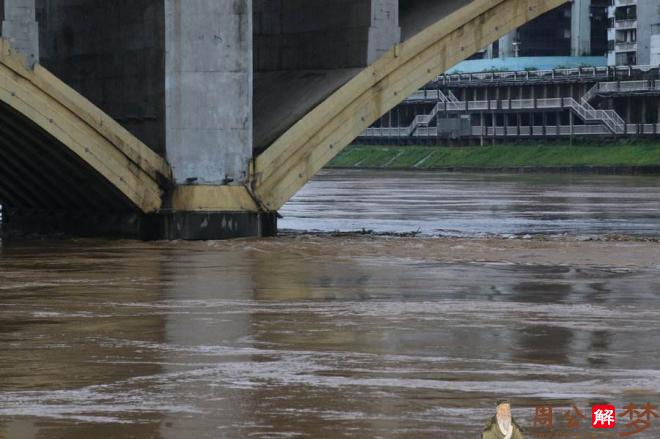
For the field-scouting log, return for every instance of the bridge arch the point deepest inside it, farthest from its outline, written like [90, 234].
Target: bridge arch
[302, 150]
[59, 152]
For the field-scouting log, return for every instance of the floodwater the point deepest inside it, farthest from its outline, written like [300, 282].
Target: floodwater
[322, 336]
[455, 204]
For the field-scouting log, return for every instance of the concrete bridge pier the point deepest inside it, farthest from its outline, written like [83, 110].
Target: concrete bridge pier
[19, 26]
[213, 51]
[209, 122]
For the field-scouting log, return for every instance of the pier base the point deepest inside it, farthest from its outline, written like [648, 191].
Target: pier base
[158, 226]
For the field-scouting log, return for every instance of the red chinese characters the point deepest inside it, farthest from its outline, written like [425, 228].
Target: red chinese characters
[603, 416]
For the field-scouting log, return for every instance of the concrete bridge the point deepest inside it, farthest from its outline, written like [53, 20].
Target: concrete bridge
[199, 119]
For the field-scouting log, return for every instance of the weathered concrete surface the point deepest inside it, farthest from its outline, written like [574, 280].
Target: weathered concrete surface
[208, 86]
[416, 15]
[304, 51]
[194, 226]
[281, 98]
[384, 31]
[19, 26]
[112, 52]
[323, 34]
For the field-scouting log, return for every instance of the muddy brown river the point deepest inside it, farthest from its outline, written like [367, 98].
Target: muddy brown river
[345, 335]
[456, 204]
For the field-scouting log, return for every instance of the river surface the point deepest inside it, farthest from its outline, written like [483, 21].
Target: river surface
[455, 204]
[322, 336]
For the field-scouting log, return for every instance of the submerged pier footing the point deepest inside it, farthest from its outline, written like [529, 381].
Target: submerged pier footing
[130, 225]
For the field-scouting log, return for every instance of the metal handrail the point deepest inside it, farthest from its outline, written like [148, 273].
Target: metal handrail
[625, 23]
[581, 72]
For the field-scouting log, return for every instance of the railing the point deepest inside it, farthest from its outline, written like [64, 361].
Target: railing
[625, 46]
[587, 113]
[427, 95]
[591, 93]
[542, 75]
[423, 120]
[451, 97]
[386, 132]
[600, 87]
[542, 131]
[633, 85]
[514, 131]
[549, 103]
[523, 75]
[628, 86]
[625, 24]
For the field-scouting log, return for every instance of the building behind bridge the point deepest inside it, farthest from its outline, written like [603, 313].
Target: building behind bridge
[586, 69]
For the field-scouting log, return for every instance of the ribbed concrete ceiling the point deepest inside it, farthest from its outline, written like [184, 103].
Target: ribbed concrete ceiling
[282, 97]
[38, 172]
[416, 15]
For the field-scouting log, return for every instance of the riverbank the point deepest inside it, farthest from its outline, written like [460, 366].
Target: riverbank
[633, 158]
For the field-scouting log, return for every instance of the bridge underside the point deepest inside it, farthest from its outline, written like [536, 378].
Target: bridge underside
[39, 172]
[45, 188]
[68, 168]
[283, 96]
[242, 125]
[437, 35]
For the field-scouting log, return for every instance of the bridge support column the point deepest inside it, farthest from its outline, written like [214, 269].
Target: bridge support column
[21, 28]
[384, 31]
[581, 27]
[209, 123]
[208, 90]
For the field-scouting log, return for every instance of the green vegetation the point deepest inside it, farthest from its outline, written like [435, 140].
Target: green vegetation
[498, 156]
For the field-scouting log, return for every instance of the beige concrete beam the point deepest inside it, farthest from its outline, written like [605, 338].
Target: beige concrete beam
[201, 198]
[312, 142]
[129, 165]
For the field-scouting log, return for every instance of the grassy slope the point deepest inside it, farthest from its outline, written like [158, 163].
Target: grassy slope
[402, 157]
